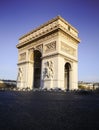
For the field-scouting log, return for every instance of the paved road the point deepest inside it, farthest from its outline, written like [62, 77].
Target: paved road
[48, 111]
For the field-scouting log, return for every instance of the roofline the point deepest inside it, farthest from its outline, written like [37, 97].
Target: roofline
[48, 22]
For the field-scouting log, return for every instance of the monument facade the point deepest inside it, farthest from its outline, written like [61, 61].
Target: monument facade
[48, 57]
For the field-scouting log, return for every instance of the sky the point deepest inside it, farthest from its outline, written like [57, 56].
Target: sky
[17, 17]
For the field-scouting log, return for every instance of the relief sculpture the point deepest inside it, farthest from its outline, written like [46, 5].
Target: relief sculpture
[48, 70]
[50, 46]
[20, 75]
[39, 47]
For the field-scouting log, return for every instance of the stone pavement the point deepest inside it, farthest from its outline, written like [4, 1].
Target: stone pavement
[41, 110]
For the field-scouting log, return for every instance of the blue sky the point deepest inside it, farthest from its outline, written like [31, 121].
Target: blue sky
[18, 17]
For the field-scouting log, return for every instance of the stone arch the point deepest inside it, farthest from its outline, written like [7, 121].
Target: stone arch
[52, 44]
[37, 69]
[67, 75]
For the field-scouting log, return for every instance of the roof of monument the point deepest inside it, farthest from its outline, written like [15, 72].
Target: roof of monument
[55, 23]
[48, 22]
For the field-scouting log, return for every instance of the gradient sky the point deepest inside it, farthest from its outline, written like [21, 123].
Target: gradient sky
[17, 17]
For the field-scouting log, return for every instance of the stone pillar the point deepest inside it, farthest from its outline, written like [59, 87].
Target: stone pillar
[74, 76]
[30, 75]
[60, 73]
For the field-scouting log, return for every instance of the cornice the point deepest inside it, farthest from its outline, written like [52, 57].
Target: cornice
[37, 37]
[59, 54]
[24, 62]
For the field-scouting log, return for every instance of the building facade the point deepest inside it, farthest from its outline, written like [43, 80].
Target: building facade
[48, 57]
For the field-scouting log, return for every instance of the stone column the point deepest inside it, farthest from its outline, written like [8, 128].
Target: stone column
[30, 69]
[75, 76]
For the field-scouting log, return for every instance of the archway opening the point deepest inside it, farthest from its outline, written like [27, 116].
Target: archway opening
[67, 76]
[37, 69]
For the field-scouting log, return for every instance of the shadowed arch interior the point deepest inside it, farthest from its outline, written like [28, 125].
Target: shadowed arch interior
[67, 75]
[37, 68]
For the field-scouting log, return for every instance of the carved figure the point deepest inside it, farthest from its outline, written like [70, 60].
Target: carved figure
[48, 70]
[20, 75]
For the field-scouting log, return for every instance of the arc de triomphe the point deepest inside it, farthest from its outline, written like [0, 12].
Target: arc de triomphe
[48, 57]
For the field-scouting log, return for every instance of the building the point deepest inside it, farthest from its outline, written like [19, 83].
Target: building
[8, 81]
[88, 85]
[7, 84]
[48, 57]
